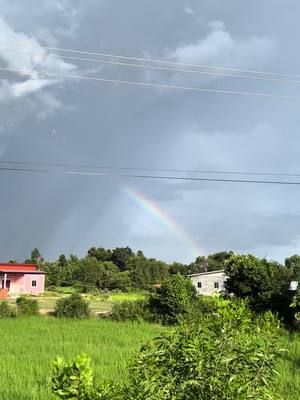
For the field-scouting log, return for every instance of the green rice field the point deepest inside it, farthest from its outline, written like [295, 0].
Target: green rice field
[28, 347]
[98, 304]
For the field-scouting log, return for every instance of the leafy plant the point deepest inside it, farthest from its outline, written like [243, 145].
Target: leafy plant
[27, 306]
[131, 310]
[73, 306]
[173, 299]
[227, 355]
[6, 311]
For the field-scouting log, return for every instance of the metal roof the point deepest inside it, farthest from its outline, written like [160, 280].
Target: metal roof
[208, 272]
[9, 271]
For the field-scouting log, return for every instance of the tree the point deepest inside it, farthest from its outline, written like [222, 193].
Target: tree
[120, 255]
[178, 268]
[35, 258]
[217, 261]
[90, 274]
[145, 272]
[100, 253]
[264, 283]
[173, 299]
[293, 264]
[62, 261]
[199, 265]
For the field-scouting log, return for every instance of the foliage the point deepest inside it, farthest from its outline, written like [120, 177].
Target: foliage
[172, 299]
[120, 255]
[145, 272]
[6, 311]
[227, 355]
[100, 253]
[73, 306]
[91, 274]
[131, 310]
[27, 306]
[264, 283]
[214, 262]
[29, 345]
[35, 258]
[74, 380]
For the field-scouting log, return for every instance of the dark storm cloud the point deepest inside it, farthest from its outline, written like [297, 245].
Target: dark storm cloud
[87, 122]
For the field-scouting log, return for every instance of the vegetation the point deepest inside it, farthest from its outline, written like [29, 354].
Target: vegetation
[227, 356]
[30, 344]
[264, 283]
[173, 299]
[27, 306]
[73, 306]
[6, 310]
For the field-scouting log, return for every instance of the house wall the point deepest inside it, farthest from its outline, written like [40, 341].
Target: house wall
[40, 283]
[208, 281]
[22, 284]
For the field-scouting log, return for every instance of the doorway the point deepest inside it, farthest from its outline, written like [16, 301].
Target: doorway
[7, 284]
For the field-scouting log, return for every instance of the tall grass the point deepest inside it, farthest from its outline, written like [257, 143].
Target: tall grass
[288, 367]
[28, 347]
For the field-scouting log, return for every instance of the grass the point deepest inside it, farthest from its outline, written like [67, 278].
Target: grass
[288, 380]
[98, 303]
[28, 347]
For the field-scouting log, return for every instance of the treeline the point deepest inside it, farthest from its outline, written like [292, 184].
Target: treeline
[120, 268]
[265, 282]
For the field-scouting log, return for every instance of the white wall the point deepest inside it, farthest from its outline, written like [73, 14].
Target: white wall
[207, 282]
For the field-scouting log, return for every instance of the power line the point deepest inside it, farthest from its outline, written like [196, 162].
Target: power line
[151, 177]
[148, 84]
[155, 67]
[150, 60]
[110, 167]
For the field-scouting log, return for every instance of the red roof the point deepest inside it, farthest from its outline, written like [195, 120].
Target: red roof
[3, 271]
[18, 267]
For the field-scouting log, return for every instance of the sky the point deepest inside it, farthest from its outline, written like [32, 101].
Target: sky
[52, 119]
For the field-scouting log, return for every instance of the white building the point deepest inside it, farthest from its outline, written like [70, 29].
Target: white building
[208, 283]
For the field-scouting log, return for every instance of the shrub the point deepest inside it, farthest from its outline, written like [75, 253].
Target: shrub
[131, 310]
[6, 311]
[73, 306]
[173, 299]
[27, 306]
[228, 355]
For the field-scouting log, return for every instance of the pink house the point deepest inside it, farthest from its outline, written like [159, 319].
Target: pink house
[21, 279]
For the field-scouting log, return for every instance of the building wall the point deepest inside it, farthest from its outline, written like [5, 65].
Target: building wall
[40, 283]
[208, 282]
[22, 284]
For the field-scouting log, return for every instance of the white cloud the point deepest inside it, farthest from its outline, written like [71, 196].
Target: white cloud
[220, 47]
[189, 10]
[23, 52]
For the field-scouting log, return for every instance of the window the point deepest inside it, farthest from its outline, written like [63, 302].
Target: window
[33, 283]
[216, 285]
[199, 284]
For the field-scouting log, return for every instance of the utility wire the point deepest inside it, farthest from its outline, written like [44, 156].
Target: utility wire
[151, 177]
[188, 171]
[149, 60]
[147, 84]
[155, 67]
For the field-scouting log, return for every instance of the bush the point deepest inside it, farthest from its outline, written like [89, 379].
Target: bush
[6, 311]
[27, 307]
[131, 310]
[228, 355]
[73, 306]
[172, 301]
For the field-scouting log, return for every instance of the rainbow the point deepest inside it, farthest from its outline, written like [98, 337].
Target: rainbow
[152, 208]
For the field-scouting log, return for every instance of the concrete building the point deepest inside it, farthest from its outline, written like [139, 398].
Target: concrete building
[21, 279]
[208, 283]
